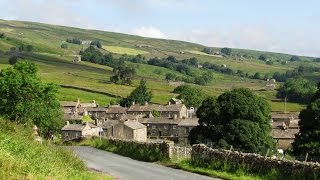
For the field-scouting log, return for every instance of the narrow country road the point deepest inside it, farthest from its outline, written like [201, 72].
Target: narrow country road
[125, 168]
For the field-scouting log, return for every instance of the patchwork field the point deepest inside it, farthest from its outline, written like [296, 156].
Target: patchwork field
[89, 81]
[123, 50]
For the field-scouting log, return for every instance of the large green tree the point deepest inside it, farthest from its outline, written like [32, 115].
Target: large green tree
[25, 99]
[140, 95]
[191, 96]
[123, 75]
[238, 118]
[298, 90]
[308, 139]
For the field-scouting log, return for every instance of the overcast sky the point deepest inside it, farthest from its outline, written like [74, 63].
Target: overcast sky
[289, 26]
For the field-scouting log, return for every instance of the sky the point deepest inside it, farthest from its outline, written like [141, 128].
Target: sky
[287, 26]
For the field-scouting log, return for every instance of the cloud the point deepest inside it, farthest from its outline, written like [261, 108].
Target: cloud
[149, 31]
[255, 37]
[45, 11]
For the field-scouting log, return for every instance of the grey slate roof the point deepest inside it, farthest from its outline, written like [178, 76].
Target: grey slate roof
[117, 110]
[68, 103]
[284, 134]
[133, 124]
[73, 127]
[151, 107]
[189, 122]
[97, 109]
[72, 116]
[109, 123]
[159, 120]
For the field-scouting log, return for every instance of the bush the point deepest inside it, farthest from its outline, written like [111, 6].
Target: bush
[64, 45]
[135, 150]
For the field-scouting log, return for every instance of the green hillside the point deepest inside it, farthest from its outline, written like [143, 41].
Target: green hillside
[89, 81]
[23, 158]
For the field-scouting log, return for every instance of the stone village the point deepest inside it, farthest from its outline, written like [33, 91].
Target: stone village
[173, 121]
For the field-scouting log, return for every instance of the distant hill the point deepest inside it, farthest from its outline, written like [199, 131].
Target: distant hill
[90, 81]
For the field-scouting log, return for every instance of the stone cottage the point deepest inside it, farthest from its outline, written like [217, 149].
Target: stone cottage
[76, 131]
[184, 128]
[115, 112]
[70, 107]
[125, 129]
[96, 113]
[167, 111]
[284, 128]
[161, 128]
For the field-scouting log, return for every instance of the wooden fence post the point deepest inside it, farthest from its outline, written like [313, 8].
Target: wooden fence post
[306, 158]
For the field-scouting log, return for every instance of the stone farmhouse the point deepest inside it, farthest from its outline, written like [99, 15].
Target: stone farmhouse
[175, 129]
[284, 128]
[167, 111]
[184, 128]
[76, 131]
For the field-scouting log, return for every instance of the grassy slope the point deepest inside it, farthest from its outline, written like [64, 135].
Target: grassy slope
[22, 158]
[56, 67]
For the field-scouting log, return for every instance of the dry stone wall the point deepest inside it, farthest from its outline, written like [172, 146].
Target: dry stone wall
[255, 162]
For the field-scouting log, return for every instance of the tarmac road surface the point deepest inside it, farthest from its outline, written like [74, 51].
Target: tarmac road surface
[125, 168]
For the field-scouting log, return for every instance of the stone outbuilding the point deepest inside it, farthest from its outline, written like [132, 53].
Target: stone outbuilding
[77, 131]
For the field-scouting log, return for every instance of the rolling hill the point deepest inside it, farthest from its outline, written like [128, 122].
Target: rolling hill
[89, 81]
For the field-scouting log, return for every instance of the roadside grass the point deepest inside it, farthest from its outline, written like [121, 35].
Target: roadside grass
[224, 173]
[124, 50]
[23, 158]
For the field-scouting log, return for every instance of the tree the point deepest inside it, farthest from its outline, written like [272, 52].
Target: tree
[13, 60]
[96, 43]
[238, 118]
[191, 96]
[170, 76]
[64, 45]
[308, 139]
[25, 99]
[257, 76]
[263, 57]
[123, 75]
[295, 58]
[140, 95]
[226, 51]
[298, 90]
[29, 48]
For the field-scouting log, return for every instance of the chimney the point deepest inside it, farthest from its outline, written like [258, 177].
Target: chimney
[67, 123]
[78, 100]
[175, 116]
[133, 103]
[169, 103]
[146, 103]
[94, 102]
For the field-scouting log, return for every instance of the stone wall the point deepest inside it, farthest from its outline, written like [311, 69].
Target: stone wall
[256, 162]
[166, 147]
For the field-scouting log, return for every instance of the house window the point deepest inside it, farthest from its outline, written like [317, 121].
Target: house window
[77, 134]
[153, 127]
[174, 127]
[187, 130]
[165, 127]
[90, 113]
[66, 134]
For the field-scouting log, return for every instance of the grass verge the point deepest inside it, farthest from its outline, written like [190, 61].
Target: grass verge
[23, 158]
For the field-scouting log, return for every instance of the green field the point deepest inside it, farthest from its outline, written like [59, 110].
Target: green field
[123, 50]
[55, 64]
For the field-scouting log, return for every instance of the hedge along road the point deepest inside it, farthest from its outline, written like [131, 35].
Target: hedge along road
[128, 169]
